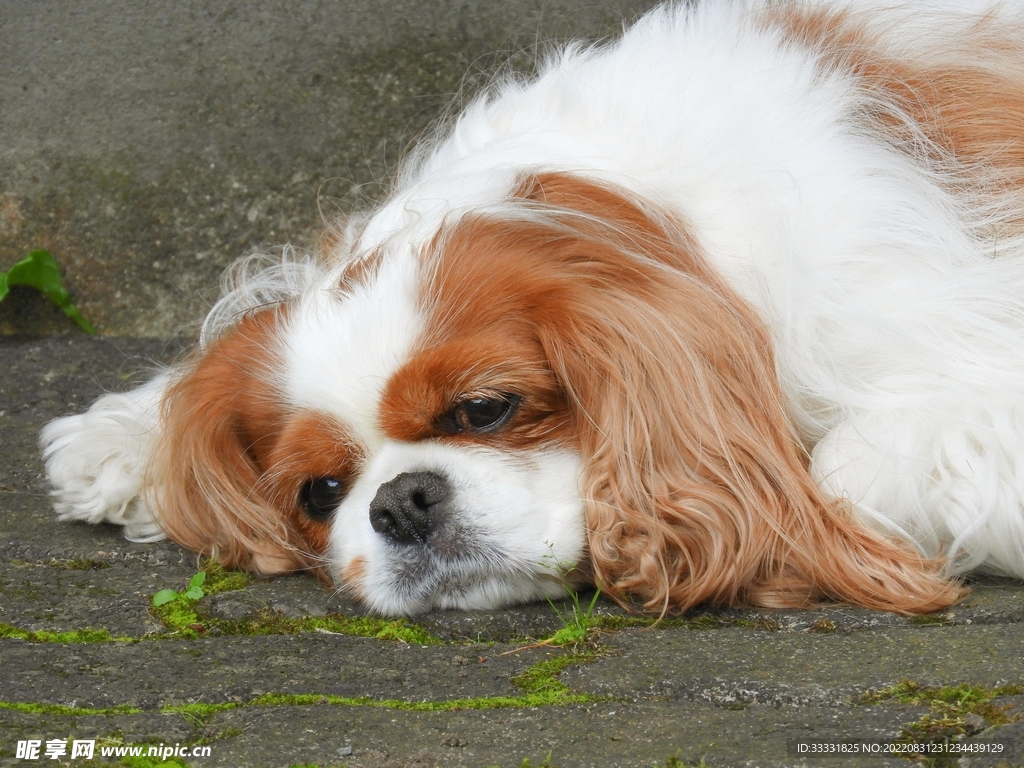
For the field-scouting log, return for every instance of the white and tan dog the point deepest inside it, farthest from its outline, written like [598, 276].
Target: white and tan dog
[730, 309]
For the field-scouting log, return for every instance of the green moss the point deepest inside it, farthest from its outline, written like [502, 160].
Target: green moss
[949, 705]
[189, 618]
[79, 564]
[219, 579]
[74, 636]
[359, 626]
[180, 617]
[542, 678]
[9, 631]
[698, 622]
[199, 712]
[540, 686]
[617, 622]
[539, 683]
[702, 621]
[184, 622]
[223, 733]
[61, 709]
[485, 702]
[953, 698]
[823, 626]
[546, 764]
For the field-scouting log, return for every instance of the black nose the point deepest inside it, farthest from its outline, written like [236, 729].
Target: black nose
[408, 508]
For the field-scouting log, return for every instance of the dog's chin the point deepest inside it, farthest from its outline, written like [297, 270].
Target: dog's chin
[412, 581]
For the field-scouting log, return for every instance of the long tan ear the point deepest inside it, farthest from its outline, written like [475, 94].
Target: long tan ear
[695, 485]
[219, 418]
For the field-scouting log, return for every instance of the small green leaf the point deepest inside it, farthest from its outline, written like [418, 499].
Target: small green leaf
[194, 593]
[164, 596]
[3, 285]
[39, 270]
[198, 580]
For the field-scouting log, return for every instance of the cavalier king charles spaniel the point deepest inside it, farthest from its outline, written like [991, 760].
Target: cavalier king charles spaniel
[729, 310]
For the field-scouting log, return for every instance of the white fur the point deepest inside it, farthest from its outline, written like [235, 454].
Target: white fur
[897, 314]
[898, 335]
[341, 347]
[95, 461]
[517, 528]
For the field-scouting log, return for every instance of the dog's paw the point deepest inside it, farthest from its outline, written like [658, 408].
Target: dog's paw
[96, 461]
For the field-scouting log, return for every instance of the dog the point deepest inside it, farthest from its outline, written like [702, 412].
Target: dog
[729, 310]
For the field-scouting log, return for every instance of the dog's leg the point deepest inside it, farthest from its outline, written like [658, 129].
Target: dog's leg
[96, 461]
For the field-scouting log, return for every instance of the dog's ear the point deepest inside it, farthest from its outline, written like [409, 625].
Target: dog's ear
[219, 420]
[696, 487]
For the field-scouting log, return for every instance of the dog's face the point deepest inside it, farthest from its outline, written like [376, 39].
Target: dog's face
[438, 445]
[400, 426]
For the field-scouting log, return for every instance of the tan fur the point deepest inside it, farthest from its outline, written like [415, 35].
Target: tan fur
[959, 105]
[353, 576]
[696, 489]
[221, 418]
[309, 445]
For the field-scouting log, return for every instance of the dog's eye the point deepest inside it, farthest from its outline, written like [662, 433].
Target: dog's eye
[321, 496]
[479, 414]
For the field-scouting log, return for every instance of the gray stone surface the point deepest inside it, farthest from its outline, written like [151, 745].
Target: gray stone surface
[729, 687]
[162, 673]
[148, 144]
[737, 666]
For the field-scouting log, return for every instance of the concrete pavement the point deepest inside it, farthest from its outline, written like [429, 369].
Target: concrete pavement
[284, 673]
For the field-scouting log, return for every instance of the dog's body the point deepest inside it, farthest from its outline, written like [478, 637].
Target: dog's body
[731, 309]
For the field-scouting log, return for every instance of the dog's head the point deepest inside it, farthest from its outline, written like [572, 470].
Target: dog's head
[556, 388]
